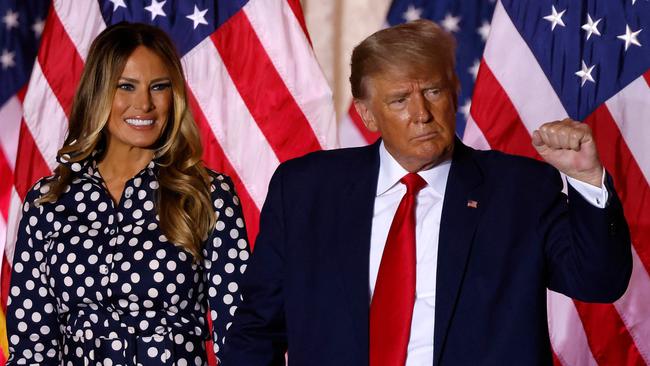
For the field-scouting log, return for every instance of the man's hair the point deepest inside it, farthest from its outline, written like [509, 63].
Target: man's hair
[414, 48]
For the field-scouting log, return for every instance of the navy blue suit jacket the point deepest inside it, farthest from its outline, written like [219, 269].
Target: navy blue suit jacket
[306, 288]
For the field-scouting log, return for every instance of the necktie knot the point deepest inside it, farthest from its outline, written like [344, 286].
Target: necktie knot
[414, 183]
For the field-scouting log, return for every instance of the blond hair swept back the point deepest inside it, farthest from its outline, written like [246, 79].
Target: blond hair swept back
[183, 203]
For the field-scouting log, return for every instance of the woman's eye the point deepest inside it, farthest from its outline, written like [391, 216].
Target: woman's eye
[162, 86]
[126, 86]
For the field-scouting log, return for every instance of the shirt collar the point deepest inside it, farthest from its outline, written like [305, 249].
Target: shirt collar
[390, 172]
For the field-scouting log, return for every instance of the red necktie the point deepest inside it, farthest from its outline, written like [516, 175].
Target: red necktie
[391, 309]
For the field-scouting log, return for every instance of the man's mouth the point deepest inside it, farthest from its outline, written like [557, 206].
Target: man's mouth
[425, 136]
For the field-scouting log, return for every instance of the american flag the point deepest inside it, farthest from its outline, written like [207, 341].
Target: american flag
[256, 90]
[536, 61]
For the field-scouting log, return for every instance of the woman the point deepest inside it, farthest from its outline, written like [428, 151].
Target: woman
[120, 253]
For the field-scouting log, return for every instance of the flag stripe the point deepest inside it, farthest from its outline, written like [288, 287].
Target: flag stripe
[262, 89]
[6, 183]
[230, 120]
[10, 115]
[647, 77]
[473, 136]
[216, 159]
[634, 307]
[350, 134]
[631, 186]
[4, 282]
[15, 213]
[285, 44]
[497, 117]
[300, 17]
[568, 337]
[631, 101]
[60, 62]
[41, 105]
[31, 166]
[517, 75]
[82, 20]
[609, 341]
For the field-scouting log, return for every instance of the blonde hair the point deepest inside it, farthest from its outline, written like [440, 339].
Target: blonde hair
[184, 205]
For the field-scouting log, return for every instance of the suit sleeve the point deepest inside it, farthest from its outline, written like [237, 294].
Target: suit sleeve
[32, 318]
[587, 248]
[258, 334]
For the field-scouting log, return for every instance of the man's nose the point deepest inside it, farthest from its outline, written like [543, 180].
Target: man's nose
[420, 109]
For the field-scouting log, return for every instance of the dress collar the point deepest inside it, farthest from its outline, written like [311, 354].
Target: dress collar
[88, 166]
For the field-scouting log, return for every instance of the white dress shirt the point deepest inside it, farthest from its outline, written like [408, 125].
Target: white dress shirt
[427, 228]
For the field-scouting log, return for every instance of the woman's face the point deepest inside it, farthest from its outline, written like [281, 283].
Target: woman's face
[142, 102]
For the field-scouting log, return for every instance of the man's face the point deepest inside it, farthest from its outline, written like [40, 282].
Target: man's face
[415, 116]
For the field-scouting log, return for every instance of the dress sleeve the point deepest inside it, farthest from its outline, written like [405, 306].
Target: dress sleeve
[32, 320]
[225, 255]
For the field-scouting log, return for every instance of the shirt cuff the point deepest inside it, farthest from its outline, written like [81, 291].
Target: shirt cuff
[597, 196]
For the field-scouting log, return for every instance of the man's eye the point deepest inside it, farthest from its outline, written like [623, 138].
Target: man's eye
[126, 86]
[161, 86]
[399, 101]
[432, 93]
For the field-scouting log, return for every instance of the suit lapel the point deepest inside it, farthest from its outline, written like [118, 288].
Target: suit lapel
[457, 227]
[352, 238]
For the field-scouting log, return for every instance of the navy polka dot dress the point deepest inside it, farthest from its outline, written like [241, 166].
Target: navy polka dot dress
[96, 283]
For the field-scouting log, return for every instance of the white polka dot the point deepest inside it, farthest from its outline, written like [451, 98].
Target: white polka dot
[158, 277]
[148, 205]
[152, 352]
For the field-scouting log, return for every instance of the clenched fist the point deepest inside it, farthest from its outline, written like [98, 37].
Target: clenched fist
[569, 146]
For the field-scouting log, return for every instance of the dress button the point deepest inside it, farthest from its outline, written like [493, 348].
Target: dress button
[103, 269]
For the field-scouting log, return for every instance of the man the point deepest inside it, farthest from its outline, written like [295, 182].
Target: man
[418, 250]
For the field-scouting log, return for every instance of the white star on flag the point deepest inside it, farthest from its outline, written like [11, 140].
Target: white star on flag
[7, 59]
[10, 19]
[591, 27]
[412, 13]
[465, 108]
[118, 4]
[474, 68]
[38, 26]
[630, 37]
[198, 17]
[450, 23]
[484, 31]
[585, 73]
[156, 8]
[555, 18]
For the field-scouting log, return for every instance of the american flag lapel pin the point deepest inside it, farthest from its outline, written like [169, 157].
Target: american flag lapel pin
[472, 204]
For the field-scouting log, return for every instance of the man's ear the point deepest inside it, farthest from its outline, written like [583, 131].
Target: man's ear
[366, 115]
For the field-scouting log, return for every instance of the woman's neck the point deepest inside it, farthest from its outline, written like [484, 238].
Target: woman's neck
[123, 163]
